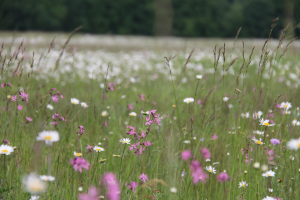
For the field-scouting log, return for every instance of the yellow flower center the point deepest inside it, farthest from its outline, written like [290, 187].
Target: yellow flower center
[73, 102]
[78, 154]
[48, 137]
[124, 142]
[285, 106]
[266, 124]
[9, 96]
[268, 174]
[258, 142]
[104, 114]
[243, 185]
[210, 170]
[189, 100]
[174, 106]
[298, 144]
[132, 114]
[36, 187]
[4, 151]
[98, 149]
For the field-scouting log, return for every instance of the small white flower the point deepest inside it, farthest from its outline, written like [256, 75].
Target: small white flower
[259, 142]
[48, 136]
[115, 155]
[230, 106]
[77, 154]
[84, 105]
[216, 163]
[33, 184]
[285, 105]
[80, 189]
[6, 149]
[268, 174]
[186, 141]
[123, 96]
[173, 190]
[98, 149]
[133, 114]
[50, 107]
[34, 197]
[243, 184]
[295, 122]
[9, 96]
[183, 174]
[102, 85]
[104, 113]
[258, 132]
[270, 190]
[125, 141]
[74, 101]
[47, 178]
[245, 172]
[268, 198]
[199, 77]
[211, 169]
[256, 165]
[264, 168]
[207, 160]
[265, 122]
[294, 144]
[228, 153]
[257, 115]
[225, 99]
[188, 100]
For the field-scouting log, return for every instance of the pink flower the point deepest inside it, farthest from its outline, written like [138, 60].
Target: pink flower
[91, 195]
[105, 123]
[80, 131]
[143, 177]
[185, 155]
[154, 103]
[78, 163]
[14, 98]
[19, 107]
[55, 98]
[194, 165]
[214, 137]
[112, 185]
[199, 175]
[130, 106]
[132, 185]
[199, 101]
[28, 119]
[142, 97]
[5, 142]
[89, 148]
[223, 177]
[24, 96]
[205, 153]
[275, 141]
[147, 143]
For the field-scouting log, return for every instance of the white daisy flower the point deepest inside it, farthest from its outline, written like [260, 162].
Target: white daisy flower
[47, 178]
[104, 113]
[265, 122]
[33, 184]
[257, 115]
[133, 114]
[270, 190]
[243, 184]
[9, 96]
[258, 132]
[285, 105]
[74, 101]
[295, 122]
[98, 149]
[199, 77]
[102, 85]
[6, 149]
[84, 105]
[77, 154]
[188, 100]
[50, 107]
[211, 169]
[256, 165]
[247, 115]
[115, 155]
[225, 99]
[173, 190]
[294, 144]
[258, 141]
[34, 197]
[268, 173]
[186, 141]
[287, 112]
[123, 96]
[125, 141]
[80, 189]
[268, 198]
[48, 137]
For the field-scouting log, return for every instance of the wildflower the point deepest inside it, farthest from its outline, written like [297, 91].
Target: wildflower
[268, 173]
[78, 163]
[74, 101]
[130, 106]
[84, 105]
[28, 119]
[223, 177]
[256, 165]
[183, 174]
[295, 122]
[173, 189]
[125, 141]
[48, 137]
[258, 141]
[265, 122]
[123, 96]
[50, 107]
[199, 175]
[80, 131]
[133, 114]
[80, 189]
[264, 168]
[207, 160]
[285, 105]
[205, 153]
[268, 198]
[188, 100]
[185, 155]
[286, 112]
[294, 144]
[115, 155]
[92, 194]
[199, 77]
[143, 97]
[186, 141]
[24, 96]
[34, 197]
[270, 190]
[132, 185]
[258, 132]
[77, 154]
[225, 99]
[47, 178]
[89, 148]
[143, 177]
[14, 98]
[243, 184]
[9, 96]
[6, 149]
[5, 142]
[199, 101]
[214, 137]
[257, 115]
[98, 149]
[174, 106]
[210, 169]
[275, 141]
[113, 188]
[19, 107]
[104, 113]
[33, 184]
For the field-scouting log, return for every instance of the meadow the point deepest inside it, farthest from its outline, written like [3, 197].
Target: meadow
[108, 117]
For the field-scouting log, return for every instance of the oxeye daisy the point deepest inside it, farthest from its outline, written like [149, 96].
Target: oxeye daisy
[268, 174]
[257, 115]
[294, 144]
[125, 141]
[34, 197]
[48, 137]
[188, 100]
[6, 149]
[84, 105]
[77, 154]
[265, 122]
[33, 184]
[211, 169]
[47, 178]
[258, 132]
[50, 107]
[285, 105]
[287, 112]
[295, 122]
[115, 155]
[225, 99]
[133, 114]
[268, 198]
[9, 96]
[98, 149]
[259, 142]
[102, 160]
[199, 77]
[243, 184]
[104, 113]
[74, 101]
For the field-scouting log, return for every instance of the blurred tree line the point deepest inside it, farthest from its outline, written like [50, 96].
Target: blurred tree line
[188, 18]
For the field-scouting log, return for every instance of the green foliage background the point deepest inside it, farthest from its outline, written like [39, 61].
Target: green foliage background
[191, 18]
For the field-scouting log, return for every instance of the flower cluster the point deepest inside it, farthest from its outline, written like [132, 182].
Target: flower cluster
[57, 117]
[143, 177]
[23, 96]
[80, 131]
[139, 147]
[78, 163]
[112, 186]
[55, 96]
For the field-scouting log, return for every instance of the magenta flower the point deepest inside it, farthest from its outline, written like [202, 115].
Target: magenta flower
[199, 101]
[199, 175]
[223, 177]
[28, 119]
[105, 123]
[19, 107]
[24, 96]
[132, 185]
[185, 155]
[147, 143]
[5, 84]
[14, 98]
[214, 137]
[89, 148]
[5, 142]
[80, 131]
[275, 141]
[143, 177]
[78, 163]
[55, 98]
[194, 165]
[130, 106]
[205, 153]
[112, 185]
[131, 130]
[142, 97]
[91, 195]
